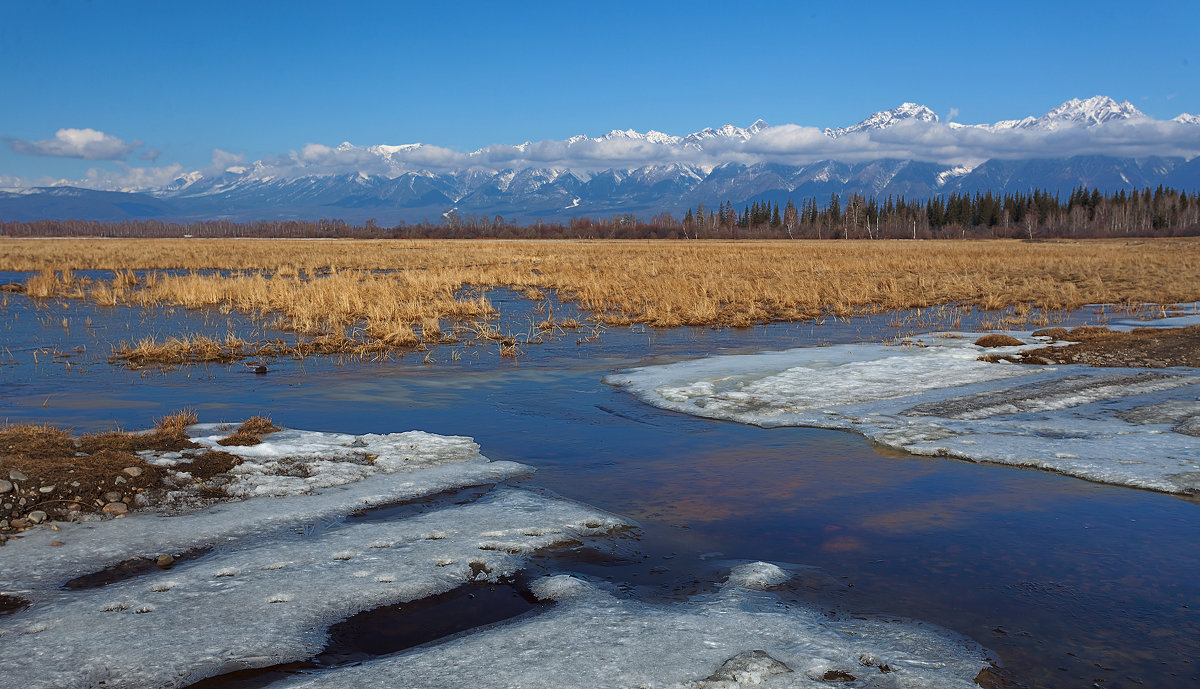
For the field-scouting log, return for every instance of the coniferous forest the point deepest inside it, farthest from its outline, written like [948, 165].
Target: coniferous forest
[1160, 212]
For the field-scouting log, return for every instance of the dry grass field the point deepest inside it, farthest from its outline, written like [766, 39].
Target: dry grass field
[369, 296]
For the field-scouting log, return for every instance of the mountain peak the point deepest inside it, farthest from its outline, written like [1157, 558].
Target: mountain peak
[1087, 112]
[725, 131]
[887, 118]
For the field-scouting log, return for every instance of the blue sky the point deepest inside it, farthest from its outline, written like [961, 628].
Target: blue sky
[258, 79]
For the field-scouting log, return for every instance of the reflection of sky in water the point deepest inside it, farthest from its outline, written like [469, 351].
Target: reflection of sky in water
[1032, 565]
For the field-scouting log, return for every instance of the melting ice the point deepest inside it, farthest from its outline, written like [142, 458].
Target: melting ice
[274, 583]
[286, 566]
[1123, 426]
[743, 635]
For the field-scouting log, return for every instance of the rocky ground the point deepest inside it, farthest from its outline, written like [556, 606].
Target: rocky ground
[48, 475]
[1096, 346]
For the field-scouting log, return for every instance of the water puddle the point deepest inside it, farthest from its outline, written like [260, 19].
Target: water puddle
[395, 628]
[130, 569]
[411, 508]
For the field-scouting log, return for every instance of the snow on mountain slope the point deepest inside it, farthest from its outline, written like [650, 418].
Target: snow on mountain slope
[1086, 113]
[725, 132]
[1071, 114]
[887, 118]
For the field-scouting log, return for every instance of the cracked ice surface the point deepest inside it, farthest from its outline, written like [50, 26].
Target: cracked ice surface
[268, 601]
[940, 400]
[741, 635]
[408, 466]
[283, 568]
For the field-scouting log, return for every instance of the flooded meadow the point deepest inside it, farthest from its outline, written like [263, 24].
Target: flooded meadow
[711, 528]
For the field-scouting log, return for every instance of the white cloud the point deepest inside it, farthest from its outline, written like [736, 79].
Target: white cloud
[787, 144]
[89, 144]
[222, 161]
[128, 178]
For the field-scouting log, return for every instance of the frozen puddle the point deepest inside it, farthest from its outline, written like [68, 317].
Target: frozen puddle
[742, 635]
[284, 568]
[1122, 426]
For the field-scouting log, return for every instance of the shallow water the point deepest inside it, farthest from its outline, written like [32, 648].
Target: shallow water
[1070, 583]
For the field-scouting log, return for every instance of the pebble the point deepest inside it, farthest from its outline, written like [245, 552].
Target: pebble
[17, 476]
[56, 543]
[113, 496]
[5, 486]
[116, 508]
[37, 516]
[119, 480]
[19, 524]
[47, 489]
[133, 472]
[164, 561]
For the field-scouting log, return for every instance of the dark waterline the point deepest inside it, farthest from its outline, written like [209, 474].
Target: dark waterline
[1069, 582]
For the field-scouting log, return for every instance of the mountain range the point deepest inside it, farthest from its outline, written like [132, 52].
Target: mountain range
[905, 151]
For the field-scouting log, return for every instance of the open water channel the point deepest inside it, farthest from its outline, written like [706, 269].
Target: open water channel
[1069, 583]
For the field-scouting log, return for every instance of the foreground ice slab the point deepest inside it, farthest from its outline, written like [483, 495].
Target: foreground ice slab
[1121, 426]
[284, 569]
[741, 636]
[406, 466]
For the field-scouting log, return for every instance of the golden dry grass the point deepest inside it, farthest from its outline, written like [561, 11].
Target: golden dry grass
[250, 432]
[333, 289]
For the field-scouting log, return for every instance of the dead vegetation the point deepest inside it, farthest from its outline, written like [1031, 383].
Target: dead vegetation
[371, 297]
[250, 432]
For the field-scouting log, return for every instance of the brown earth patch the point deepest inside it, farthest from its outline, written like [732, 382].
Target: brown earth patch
[1138, 348]
[998, 341]
[1052, 333]
[207, 465]
[48, 475]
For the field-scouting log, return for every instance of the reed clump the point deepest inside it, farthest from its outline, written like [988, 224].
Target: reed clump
[250, 432]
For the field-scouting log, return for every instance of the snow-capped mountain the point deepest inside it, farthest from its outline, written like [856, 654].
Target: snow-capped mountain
[1087, 113]
[906, 112]
[726, 132]
[626, 171]
[1074, 113]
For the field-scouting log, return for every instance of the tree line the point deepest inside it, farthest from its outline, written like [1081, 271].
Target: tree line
[1029, 215]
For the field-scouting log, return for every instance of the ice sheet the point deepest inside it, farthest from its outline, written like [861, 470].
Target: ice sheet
[269, 600]
[740, 636]
[408, 466]
[938, 399]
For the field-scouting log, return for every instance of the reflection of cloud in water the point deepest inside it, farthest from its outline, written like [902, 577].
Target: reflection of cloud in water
[736, 482]
[844, 544]
[954, 513]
